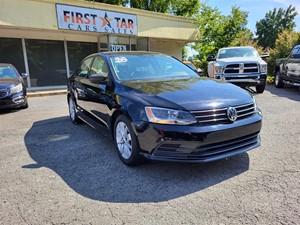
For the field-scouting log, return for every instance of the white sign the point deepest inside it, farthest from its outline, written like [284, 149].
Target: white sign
[118, 48]
[95, 20]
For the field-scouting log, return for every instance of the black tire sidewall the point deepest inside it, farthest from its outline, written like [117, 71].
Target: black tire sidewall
[74, 120]
[135, 157]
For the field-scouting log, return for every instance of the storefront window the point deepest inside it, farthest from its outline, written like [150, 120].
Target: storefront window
[47, 64]
[77, 51]
[103, 40]
[133, 44]
[11, 52]
[142, 44]
[117, 43]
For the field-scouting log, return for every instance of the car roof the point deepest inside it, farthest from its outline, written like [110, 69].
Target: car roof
[136, 53]
[237, 47]
[6, 65]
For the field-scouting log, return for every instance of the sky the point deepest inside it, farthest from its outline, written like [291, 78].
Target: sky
[256, 9]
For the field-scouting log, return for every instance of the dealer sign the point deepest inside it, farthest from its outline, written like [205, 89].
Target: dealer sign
[95, 20]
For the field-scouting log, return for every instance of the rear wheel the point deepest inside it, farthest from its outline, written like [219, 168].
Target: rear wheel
[278, 80]
[126, 142]
[73, 111]
[260, 88]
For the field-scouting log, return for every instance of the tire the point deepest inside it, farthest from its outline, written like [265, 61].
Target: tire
[26, 103]
[126, 142]
[260, 88]
[278, 80]
[73, 111]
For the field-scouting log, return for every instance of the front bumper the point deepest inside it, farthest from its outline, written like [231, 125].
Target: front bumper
[243, 80]
[199, 143]
[13, 101]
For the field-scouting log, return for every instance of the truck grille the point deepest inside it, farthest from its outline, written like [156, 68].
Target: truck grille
[219, 116]
[242, 68]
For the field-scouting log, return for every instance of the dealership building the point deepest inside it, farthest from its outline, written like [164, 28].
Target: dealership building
[47, 39]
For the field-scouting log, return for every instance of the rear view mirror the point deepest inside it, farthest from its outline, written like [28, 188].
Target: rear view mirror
[24, 75]
[265, 55]
[211, 58]
[97, 78]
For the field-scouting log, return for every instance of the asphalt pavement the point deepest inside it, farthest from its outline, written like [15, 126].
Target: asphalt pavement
[54, 172]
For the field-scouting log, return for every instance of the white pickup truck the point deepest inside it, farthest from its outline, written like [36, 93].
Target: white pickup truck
[239, 65]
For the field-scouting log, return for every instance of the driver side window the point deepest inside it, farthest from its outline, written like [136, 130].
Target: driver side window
[99, 67]
[84, 68]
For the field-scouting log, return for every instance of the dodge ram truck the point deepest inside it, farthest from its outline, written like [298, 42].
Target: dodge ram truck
[288, 69]
[239, 65]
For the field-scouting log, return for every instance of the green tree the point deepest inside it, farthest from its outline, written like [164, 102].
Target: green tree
[112, 2]
[216, 30]
[283, 45]
[268, 28]
[186, 8]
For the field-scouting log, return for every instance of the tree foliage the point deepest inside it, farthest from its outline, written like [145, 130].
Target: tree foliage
[174, 7]
[283, 45]
[268, 28]
[112, 2]
[216, 30]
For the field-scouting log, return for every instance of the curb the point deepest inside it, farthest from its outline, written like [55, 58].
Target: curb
[45, 93]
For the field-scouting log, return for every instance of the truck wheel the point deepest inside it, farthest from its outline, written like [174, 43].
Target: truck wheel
[260, 88]
[126, 142]
[278, 80]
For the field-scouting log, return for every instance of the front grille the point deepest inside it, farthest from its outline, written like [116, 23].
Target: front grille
[3, 94]
[219, 116]
[203, 152]
[241, 68]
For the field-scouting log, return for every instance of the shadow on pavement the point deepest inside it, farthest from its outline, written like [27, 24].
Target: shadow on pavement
[289, 92]
[89, 164]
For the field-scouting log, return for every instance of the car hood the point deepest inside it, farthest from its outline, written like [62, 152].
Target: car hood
[6, 83]
[190, 94]
[241, 60]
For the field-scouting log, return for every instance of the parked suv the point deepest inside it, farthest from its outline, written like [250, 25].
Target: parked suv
[288, 69]
[239, 65]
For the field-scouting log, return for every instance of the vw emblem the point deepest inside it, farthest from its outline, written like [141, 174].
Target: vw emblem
[232, 114]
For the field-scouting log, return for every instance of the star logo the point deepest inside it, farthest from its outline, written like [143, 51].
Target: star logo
[105, 20]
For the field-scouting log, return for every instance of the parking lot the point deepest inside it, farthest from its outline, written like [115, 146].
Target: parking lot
[53, 172]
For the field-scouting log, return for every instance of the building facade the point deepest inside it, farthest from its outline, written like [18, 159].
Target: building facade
[48, 39]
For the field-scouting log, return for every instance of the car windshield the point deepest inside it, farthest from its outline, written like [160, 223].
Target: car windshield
[191, 66]
[7, 72]
[149, 67]
[237, 52]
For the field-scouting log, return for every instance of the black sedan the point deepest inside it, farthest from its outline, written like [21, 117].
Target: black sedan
[12, 88]
[157, 108]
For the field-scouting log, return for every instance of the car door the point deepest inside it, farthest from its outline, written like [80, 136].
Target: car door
[79, 78]
[100, 96]
[292, 64]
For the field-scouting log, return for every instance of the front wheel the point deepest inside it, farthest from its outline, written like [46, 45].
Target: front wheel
[73, 111]
[278, 80]
[260, 88]
[126, 142]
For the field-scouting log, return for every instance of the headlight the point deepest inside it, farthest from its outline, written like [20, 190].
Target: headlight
[256, 109]
[263, 68]
[16, 89]
[169, 116]
[218, 69]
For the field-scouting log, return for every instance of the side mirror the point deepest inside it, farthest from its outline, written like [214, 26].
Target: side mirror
[98, 78]
[24, 75]
[211, 58]
[296, 55]
[264, 55]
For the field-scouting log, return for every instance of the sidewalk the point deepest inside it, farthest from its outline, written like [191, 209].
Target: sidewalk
[31, 93]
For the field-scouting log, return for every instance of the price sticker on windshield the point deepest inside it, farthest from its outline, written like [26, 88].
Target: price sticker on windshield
[120, 60]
